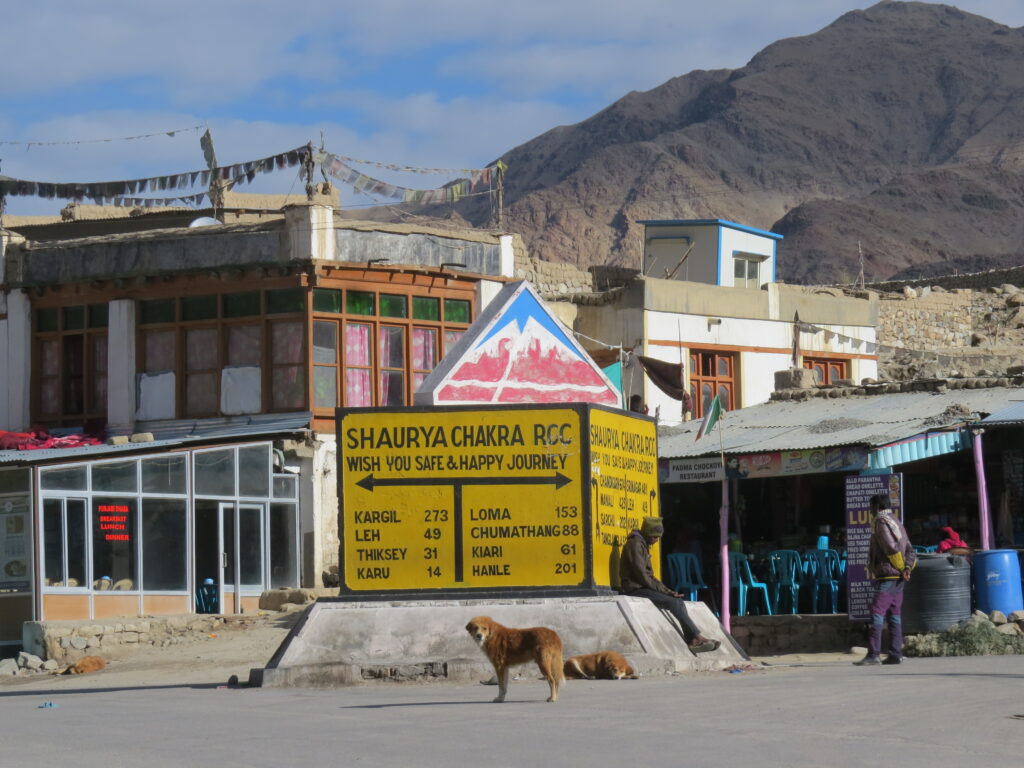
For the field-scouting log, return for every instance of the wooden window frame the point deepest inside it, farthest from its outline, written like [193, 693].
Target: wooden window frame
[411, 290]
[833, 368]
[716, 380]
[92, 411]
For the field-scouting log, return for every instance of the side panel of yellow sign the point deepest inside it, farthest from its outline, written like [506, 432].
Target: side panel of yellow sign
[461, 498]
[624, 486]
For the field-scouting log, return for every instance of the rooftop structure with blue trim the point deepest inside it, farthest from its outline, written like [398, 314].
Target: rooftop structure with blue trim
[713, 251]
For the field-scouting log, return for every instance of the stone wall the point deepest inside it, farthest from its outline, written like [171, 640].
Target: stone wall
[68, 641]
[552, 280]
[797, 633]
[931, 321]
[976, 280]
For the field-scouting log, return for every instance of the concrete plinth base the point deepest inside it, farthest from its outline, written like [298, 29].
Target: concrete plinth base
[345, 643]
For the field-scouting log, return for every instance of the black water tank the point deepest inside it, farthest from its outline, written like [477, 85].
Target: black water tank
[938, 594]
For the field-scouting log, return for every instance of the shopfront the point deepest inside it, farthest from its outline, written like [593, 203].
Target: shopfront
[207, 529]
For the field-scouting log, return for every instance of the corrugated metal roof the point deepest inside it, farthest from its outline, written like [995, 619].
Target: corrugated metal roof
[1011, 415]
[170, 435]
[870, 420]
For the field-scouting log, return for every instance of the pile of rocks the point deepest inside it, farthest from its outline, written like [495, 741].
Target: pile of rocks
[29, 664]
[982, 634]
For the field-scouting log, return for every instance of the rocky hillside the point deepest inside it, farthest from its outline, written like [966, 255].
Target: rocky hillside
[899, 127]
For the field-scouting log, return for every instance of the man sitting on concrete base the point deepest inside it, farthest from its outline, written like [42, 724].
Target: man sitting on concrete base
[636, 578]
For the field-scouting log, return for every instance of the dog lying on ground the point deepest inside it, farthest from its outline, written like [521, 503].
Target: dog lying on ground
[506, 647]
[603, 665]
[85, 665]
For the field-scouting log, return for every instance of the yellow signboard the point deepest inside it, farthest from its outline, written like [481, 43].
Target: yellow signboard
[462, 498]
[624, 485]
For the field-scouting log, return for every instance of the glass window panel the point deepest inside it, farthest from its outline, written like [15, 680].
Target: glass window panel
[425, 308]
[286, 342]
[284, 486]
[164, 539]
[76, 535]
[199, 307]
[114, 542]
[358, 393]
[357, 344]
[99, 393]
[819, 373]
[325, 341]
[359, 303]
[288, 387]
[392, 388]
[53, 542]
[201, 349]
[242, 304]
[706, 394]
[740, 270]
[281, 300]
[284, 566]
[156, 311]
[450, 339]
[159, 350]
[250, 546]
[424, 348]
[707, 365]
[215, 473]
[74, 318]
[74, 373]
[47, 320]
[117, 476]
[14, 480]
[99, 353]
[391, 347]
[325, 387]
[254, 471]
[327, 300]
[49, 397]
[98, 315]
[725, 395]
[393, 306]
[164, 474]
[201, 396]
[245, 345]
[456, 311]
[723, 366]
[49, 357]
[417, 381]
[67, 479]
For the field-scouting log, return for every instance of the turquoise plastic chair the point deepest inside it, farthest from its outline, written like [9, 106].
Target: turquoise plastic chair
[206, 597]
[741, 581]
[825, 575]
[785, 578]
[685, 574]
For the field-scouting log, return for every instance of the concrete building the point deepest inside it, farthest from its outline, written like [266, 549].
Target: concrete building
[706, 301]
[218, 355]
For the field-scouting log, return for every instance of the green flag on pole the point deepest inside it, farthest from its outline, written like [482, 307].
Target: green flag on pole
[710, 418]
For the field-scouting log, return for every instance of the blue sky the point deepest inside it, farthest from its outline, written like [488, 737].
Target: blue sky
[446, 83]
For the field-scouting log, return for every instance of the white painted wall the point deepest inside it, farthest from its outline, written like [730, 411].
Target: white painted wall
[756, 369]
[735, 242]
[506, 255]
[320, 505]
[15, 352]
[121, 370]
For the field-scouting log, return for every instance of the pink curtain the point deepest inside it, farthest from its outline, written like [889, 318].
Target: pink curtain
[358, 392]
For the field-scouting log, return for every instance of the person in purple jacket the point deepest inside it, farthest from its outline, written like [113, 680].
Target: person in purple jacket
[891, 558]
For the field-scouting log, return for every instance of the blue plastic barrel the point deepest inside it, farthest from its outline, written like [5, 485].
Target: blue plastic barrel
[997, 584]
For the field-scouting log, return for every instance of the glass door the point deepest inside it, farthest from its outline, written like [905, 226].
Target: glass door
[230, 548]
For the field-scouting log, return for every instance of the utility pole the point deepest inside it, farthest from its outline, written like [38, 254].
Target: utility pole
[500, 170]
[860, 252]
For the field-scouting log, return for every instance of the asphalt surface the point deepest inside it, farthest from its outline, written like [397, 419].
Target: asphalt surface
[926, 712]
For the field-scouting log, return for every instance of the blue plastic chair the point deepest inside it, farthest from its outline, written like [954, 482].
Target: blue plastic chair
[206, 597]
[825, 575]
[785, 578]
[741, 580]
[685, 574]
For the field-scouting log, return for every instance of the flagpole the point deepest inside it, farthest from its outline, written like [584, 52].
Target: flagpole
[723, 534]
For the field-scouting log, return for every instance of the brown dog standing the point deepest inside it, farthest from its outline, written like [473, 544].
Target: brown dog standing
[506, 647]
[603, 665]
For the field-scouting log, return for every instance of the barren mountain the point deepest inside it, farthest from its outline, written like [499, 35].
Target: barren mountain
[900, 127]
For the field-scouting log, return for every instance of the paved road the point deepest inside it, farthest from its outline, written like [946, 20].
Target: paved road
[928, 712]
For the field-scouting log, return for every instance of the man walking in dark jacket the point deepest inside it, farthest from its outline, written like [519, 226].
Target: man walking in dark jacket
[636, 578]
[891, 558]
